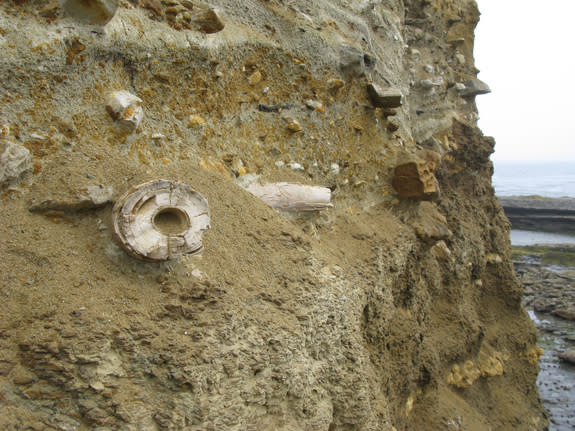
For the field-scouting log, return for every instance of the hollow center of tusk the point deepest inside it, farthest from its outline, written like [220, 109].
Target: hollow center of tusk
[171, 221]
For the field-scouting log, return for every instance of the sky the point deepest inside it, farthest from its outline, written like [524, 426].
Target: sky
[525, 52]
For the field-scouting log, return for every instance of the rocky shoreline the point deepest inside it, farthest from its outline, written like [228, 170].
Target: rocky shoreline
[548, 276]
[539, 213]
[549, 287]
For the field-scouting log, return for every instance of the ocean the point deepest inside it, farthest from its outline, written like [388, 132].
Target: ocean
[548, 179]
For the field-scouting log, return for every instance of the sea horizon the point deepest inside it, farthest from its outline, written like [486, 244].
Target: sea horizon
[553, 179]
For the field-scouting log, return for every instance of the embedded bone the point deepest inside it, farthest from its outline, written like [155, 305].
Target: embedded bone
[292, 197]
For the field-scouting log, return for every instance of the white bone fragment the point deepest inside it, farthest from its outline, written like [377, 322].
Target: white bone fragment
[292, 197]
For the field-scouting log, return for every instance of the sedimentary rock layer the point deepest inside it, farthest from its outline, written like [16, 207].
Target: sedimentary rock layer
[385, 312]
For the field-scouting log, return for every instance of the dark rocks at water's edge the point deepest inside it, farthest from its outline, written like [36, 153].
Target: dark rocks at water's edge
[568, 356]
[548, 276]
[550, 290]
[538, 213]
[547, 291]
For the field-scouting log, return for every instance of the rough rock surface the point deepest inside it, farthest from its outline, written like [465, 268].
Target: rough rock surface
[378, 314]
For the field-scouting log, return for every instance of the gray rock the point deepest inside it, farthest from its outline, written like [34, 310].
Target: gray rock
[87, 198]
[384, 98]
[354, 61]
[474, 87]
[430, 83]
[207, 20]
[96, 12]
[568, 356]
[567, 313]
[15, 160]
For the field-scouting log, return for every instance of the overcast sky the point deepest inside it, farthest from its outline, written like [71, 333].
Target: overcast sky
[525, 50]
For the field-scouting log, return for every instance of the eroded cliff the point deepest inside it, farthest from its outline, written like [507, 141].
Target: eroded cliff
[384, 312]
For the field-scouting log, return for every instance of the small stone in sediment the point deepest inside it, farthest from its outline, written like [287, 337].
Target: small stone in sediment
[89, 197]
[15, 160]
[96, 12]
[336, 83]
[126, 109]
[293, 124]
[207, 21]
[315, 105]
[294, 166]
[474, 87]
[188, 4]
[384, 98]
[392, 125]
[4, 130]
[494, 258]
[255, 78]
[196, 121]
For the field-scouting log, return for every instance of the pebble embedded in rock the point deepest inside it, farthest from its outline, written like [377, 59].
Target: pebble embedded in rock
[126, 109]
[293, 124]
[430, 83]
[15, 160]
[384, 98]
[392, 125]
[89, 197]
[354, 61]
[196, 121]
[336, 83]
[315, 105]
[334, 169]
[207, 21]
[255, 78]
[474, 87]
[96, 12]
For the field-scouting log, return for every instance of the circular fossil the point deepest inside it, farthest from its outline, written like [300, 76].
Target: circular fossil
[161, 220]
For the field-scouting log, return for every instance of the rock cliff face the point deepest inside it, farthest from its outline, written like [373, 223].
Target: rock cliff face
[396, 309]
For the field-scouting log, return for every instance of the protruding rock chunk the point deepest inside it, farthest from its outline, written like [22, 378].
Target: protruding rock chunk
[474, 87]
[416, 180]
[90, 197]
[207, 20]
[384, 98]
[15, 160]
[126, 109]
[96, 12]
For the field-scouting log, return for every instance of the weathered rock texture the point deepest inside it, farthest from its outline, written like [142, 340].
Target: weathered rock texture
[378, 314]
